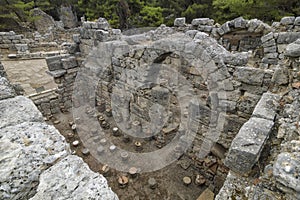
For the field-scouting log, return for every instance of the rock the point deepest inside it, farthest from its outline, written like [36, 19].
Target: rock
[287, 37]
[267, 37]
[6, 90]
[179, 22]
[293, 49]
[240, 22]
[297, 21]
[246, 147]
[207, 194]
[43, 22]
[54, 63]
[287, 21]
[281, 76]
[22, 48]
[286, 170]
[267, 106]
[67, 16]
[203, 21]
[71, 178]
[27, 149]
[249, 75]
[17, 110]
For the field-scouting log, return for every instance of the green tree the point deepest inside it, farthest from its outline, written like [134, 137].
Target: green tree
[16, 11]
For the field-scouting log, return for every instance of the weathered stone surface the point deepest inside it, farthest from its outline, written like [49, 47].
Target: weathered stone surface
[287, 37]
[267, 106]
[179, 22]
[234, 186]
[251, 76]
[68, 17]
[287, 20]
[71, 178]
[17, 110]
[267, 37]
[44, 22]
[293, 49]
[281, 76]
[27, 149]
[6, 90]
[297, 21]
[286, 171]
[248, 144]
[54, 63]
[202, 21]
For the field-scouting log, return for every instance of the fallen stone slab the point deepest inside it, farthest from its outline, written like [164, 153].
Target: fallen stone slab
[25, 151]
[17, 110]
[246, 147]
[267, 106]
[71, 178]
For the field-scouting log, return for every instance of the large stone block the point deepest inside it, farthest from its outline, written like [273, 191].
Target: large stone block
[54, 63]
[71, 178]
[179, 22]
[293, 49]
[25, 150]
[17, 110]
[267, 106]
[248, 75]
[247, 145]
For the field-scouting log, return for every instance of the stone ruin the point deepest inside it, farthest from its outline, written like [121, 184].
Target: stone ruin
[244, 74]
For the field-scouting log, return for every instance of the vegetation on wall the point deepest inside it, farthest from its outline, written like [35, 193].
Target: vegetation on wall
[126, 14]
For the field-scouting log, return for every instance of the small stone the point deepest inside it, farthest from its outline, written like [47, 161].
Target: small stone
[75, 143]
[103, 141]
[133, 172]
[56, 122]
[105, 170]
[85, 151]
[112, 148]
[123, 181]
[179, 22]
[124, 155]
[187, 180]
[152, 183]
[100, 149]
[200, 180]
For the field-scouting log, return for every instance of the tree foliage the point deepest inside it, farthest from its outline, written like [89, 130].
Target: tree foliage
[126, 14]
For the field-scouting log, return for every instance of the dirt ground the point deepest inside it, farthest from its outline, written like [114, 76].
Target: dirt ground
[30, 74]
[170, 179]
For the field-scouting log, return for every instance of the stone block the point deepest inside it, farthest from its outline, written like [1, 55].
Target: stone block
[69, 62]
[297, 21]
[54, 63]
[71, 178]
[287, 21]
[247, 145]
[203, 21]
[267, 106]
[267, 37]
[248, 75]
[25, 150]
[293, 49]
[287, 37]
[17, 110]
[179, 22]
